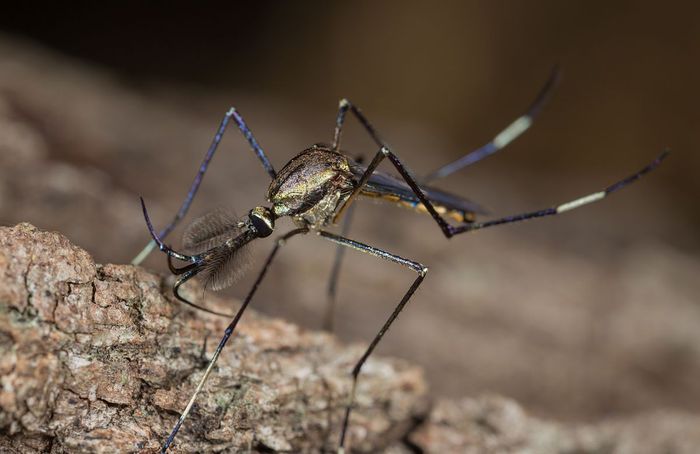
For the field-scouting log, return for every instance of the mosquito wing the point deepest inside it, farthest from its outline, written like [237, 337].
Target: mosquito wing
[388, 187]
[210, 231]
[214, 236]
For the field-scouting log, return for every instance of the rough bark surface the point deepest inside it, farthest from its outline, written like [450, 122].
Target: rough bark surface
[94, 358]
[99, 358]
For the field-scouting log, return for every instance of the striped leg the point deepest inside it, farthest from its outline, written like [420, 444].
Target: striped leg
[449, 230]
[503, 138]
[568, 206]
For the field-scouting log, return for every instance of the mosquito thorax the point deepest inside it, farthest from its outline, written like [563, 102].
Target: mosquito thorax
[263, 221]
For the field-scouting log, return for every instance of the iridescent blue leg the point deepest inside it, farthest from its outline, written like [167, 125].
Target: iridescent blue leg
[503, 138]
[231, 114]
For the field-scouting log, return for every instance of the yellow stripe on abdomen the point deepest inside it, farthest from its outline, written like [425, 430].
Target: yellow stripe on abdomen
[457, 215]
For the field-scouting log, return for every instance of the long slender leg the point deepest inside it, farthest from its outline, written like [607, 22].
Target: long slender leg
[175, 270]
[186, 276]
[568, 206]
[232, 113]
[503, 138]
[227, 334]
[415, 266]
[157, 241]
[384, 152]
[343, 108]
[332, 289]
[187, 272]
[446, 228]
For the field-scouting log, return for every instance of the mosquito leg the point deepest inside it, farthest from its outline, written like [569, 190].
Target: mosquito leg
[385, 152]
[415, 266]
[175, 270]
[568, 206]
[510, 133]
[447, 229]
[187, 272]
[231, 114]
[343, 106]
[332, 289]
[157, 241]
[229, 331]
[186, 276]
[503, 138]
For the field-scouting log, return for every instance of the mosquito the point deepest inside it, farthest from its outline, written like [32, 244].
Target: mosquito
[317, 188]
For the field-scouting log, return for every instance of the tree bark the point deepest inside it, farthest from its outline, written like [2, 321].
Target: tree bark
[99, 358]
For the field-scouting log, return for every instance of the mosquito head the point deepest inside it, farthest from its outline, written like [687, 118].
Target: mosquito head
[263, 220]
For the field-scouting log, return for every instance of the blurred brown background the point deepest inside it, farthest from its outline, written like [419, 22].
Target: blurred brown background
[590, 314]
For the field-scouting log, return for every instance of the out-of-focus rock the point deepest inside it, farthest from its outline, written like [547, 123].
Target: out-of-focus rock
[496, 425]
[95, 358]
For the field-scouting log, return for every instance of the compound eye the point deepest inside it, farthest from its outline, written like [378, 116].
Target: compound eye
[262, 221]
